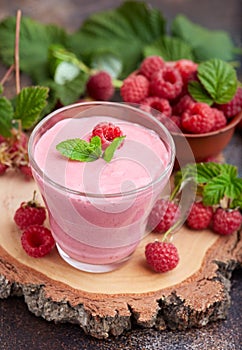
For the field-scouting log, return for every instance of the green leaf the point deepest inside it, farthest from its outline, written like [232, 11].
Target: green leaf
[107, 62]
[1, 89]
[6, 116]
[29, 104]
[206, 43]
[123, 31]
[169, 48]
[219, 79]
[234, 188]
[35, 40]
[65, 72]
[81, 150]
[207, 171]
[215, 189]
[237, 203]
[69, 92]
[198, 92]
[109, 151]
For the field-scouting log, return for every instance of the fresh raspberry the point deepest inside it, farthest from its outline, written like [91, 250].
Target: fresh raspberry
[220, 119]
[225, 222]
[135, 88]
[18, 142]
[183, 105]
[107, 132]
[29, 213]
[100, 86]
[161, 256]
[150, 65]
[233, 107]
[200, 216]
[2, 139]
[187, 68]
[3, 168]
[175, 126]
[198, 119]
[37, 241]
[26, 171]
[163, 215]
[166, 83]
[159, 104]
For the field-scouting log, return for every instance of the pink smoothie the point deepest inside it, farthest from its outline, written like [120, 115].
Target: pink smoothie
[98, 210]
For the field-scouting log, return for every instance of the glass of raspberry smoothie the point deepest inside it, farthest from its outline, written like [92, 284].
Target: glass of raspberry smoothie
[98, 209]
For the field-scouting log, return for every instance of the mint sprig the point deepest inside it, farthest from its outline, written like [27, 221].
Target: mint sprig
[216, 183]
[84, 151]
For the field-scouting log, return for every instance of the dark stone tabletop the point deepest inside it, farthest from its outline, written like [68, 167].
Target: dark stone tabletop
[19, 329]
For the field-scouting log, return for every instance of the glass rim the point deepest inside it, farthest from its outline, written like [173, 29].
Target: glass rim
[63, 188]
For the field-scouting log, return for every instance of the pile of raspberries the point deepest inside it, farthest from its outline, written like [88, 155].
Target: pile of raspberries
[163, 87]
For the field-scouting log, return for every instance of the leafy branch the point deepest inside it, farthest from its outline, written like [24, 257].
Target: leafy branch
[217, 184]
[26, 107]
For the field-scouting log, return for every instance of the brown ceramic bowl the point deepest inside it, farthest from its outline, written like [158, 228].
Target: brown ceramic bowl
[203, 146]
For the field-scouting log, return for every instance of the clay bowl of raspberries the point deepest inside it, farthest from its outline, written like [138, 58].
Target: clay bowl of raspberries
[201, 102]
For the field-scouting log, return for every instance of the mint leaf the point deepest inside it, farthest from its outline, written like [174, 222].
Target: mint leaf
[219, 79]
[206, 43]
[109, 151]
[169, 48]
[29, 104]
[81, 150]
[6, 117]
[198, 92]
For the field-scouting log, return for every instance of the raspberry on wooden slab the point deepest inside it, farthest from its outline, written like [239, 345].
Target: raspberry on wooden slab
[200, 216]
[29, 213]
[226, 222]
[163, 215]
[161, 256]
[37, 241]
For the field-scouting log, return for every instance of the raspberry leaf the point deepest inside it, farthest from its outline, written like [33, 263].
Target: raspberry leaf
[198, 92]
[215, 189]
[207, 171]
[123, 31]
[109, 151]
[219, 79]
[6, 116]
[29, 104]
[81, 150]
[205, 43]
[169, 48]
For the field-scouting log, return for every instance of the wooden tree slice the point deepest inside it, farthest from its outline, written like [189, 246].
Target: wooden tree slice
[193, 294]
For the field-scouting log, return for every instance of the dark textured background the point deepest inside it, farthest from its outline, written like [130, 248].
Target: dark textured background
[19, 329]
